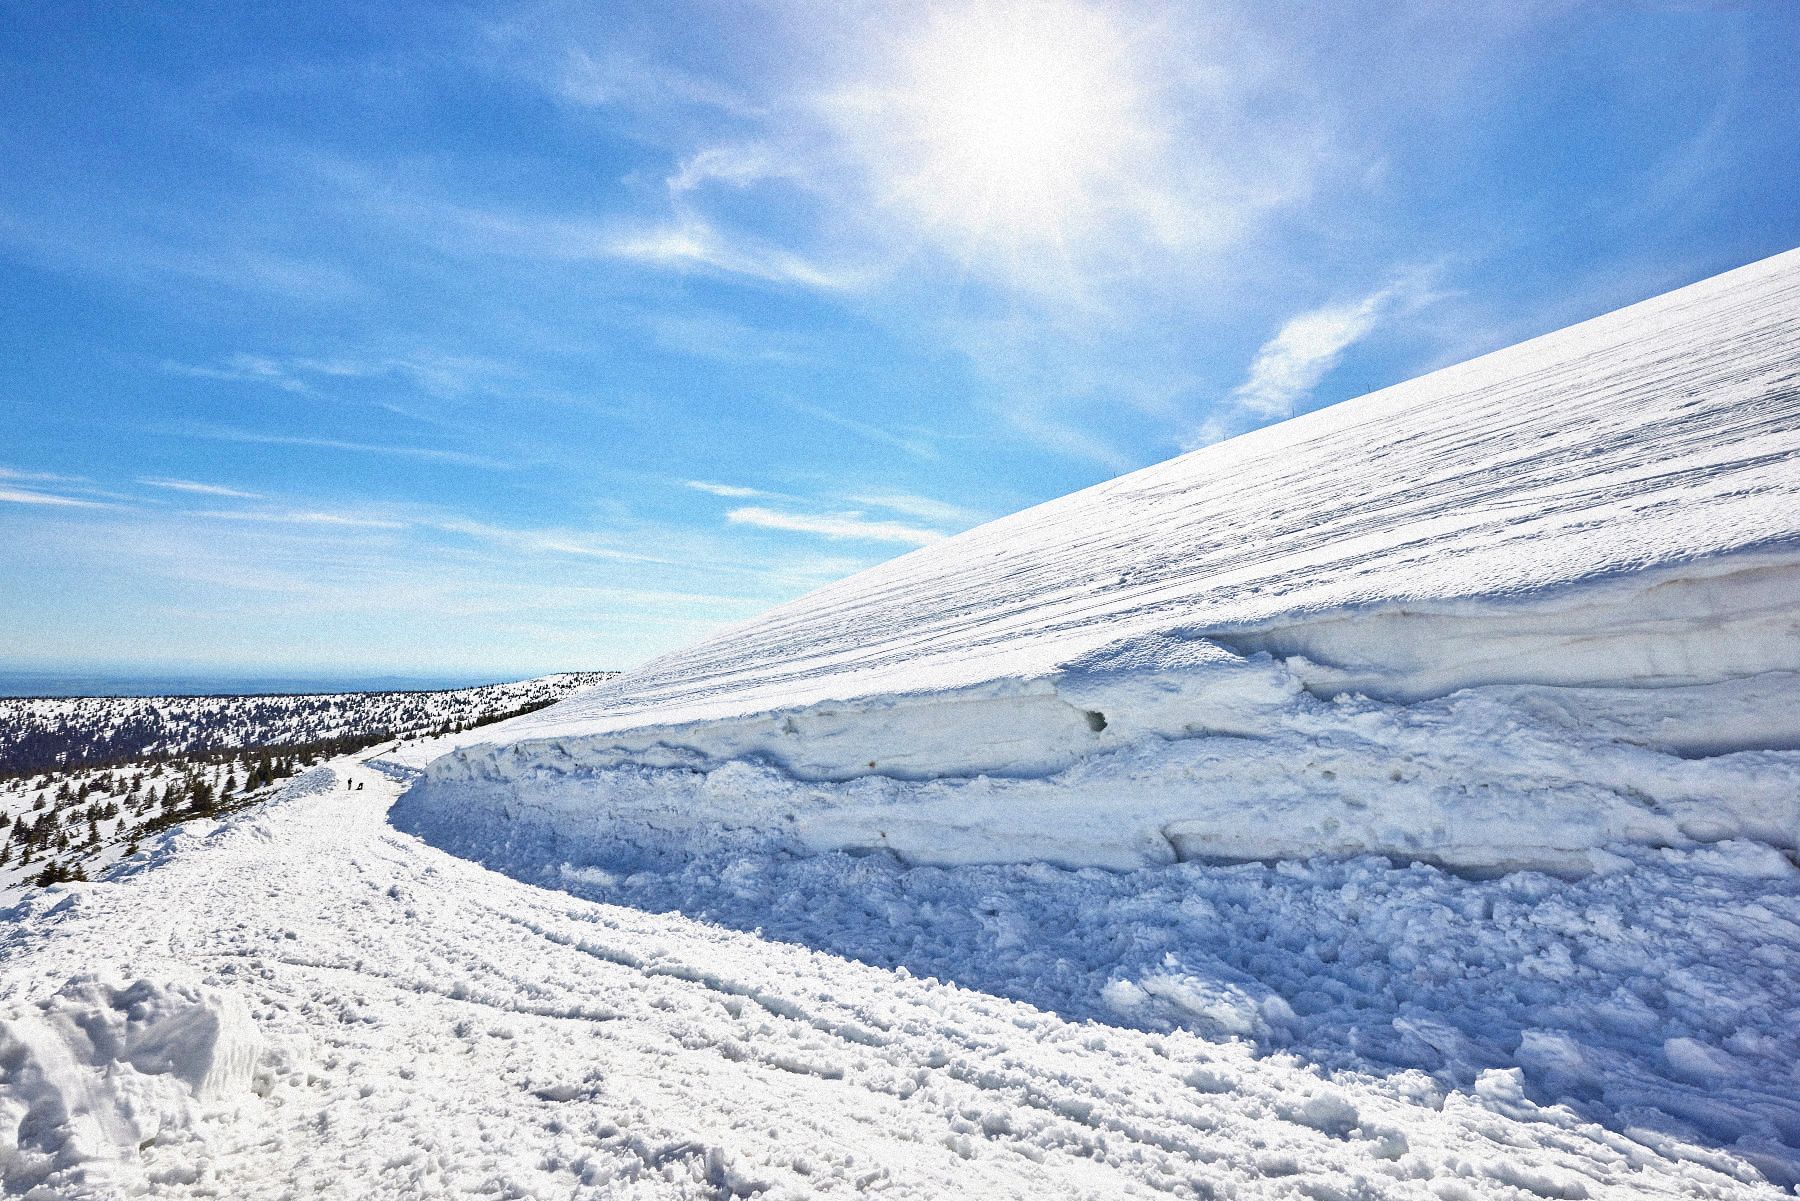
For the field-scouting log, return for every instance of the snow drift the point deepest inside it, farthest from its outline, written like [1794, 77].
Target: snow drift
[1505, 615]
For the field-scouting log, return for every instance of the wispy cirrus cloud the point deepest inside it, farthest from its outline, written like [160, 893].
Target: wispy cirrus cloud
[437, 375]
[737, 491]
[734, 164]
[29, 488]
[692, 244]
[49, 477]
[915, 444]
[924, 508]
[300, 517]
[613, 79]
[680, 238]
[544, 541]
[427, 453]
[242, 368]
[850, 526]
[29, 496]
[197, 488]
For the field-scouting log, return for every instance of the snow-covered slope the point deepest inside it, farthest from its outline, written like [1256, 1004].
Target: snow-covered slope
[1505, 615]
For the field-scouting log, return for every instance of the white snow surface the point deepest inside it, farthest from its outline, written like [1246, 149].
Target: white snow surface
[1519, 613]
[302, 1002]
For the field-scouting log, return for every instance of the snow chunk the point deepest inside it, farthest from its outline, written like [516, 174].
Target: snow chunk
[96, 1072]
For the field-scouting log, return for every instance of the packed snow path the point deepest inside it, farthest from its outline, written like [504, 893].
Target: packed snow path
[303, 1002]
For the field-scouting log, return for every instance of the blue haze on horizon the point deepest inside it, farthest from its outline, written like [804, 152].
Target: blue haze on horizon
[491, 339]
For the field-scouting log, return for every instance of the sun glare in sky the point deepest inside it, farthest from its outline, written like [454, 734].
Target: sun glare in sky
[1013, 120]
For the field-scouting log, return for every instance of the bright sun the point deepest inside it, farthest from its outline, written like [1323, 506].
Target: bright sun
[1015, 119]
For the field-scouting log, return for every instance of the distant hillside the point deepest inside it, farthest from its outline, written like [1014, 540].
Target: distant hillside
[48, 734]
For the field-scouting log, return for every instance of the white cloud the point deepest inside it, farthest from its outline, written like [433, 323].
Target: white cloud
[1303, 352]
[913, 445]
[924, 508]
[691, 244]
[200, 489]
[431, 454]
[435, 374]
[301, 517]
[737, 491]
[248, 368]
[617, 80]
[550, 541]
[834, 525]
[1291, 364]
[13, 473]
[737, 165]
[20, 496]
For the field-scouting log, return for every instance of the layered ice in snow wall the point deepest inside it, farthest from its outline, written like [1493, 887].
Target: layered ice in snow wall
[1505, 615]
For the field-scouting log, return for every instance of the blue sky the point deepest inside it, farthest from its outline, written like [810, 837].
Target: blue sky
[508, 338]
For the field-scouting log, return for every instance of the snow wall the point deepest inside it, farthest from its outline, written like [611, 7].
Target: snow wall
[1506, 615]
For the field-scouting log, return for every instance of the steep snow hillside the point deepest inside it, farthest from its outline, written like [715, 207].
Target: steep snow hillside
[1520, 613]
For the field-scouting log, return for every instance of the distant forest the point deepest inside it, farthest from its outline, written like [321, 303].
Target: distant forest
[44, 735]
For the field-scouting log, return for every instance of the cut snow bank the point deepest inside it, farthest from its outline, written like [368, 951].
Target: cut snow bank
[1505, 615]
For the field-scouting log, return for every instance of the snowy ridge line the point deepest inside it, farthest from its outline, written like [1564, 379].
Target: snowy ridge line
[1505, 616]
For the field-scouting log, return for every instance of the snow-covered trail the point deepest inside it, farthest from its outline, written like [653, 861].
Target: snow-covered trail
[427, 1027]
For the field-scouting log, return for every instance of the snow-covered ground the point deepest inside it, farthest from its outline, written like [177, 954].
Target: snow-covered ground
[304, 1002]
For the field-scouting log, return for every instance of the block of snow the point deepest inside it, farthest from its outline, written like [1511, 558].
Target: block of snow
[97, 1071]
